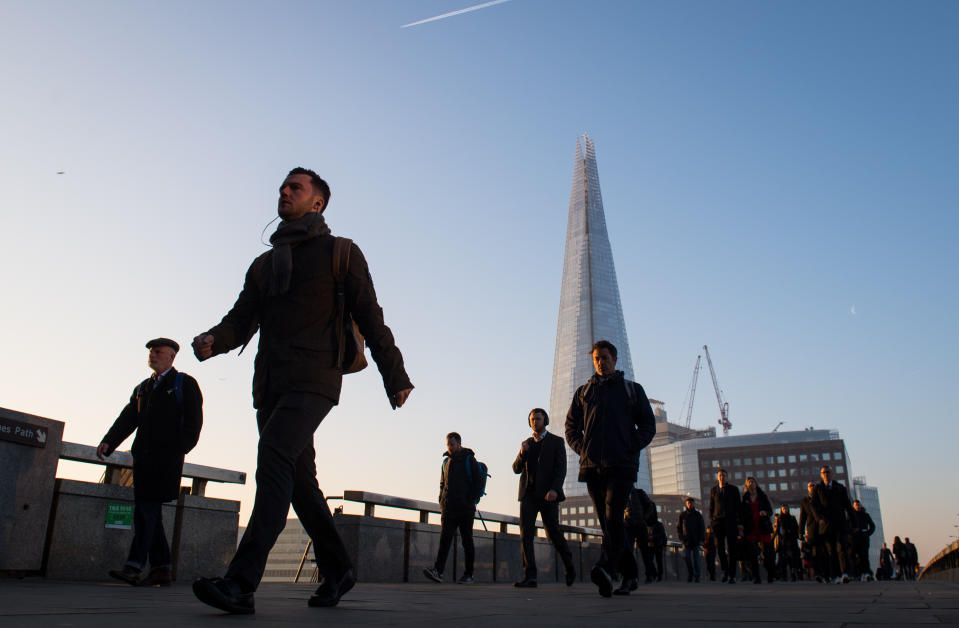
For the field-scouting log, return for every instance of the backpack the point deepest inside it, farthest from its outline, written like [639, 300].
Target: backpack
[177, 393]
[350, 356]
[481, 481]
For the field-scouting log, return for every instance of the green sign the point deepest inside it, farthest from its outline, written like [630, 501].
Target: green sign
[120, 516]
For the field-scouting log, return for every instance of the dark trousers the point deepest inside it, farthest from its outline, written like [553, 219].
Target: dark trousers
[286, 474]
[753, 549]
[450, 522]
[835, 547]
[149, 539]
[549, 511]
[860, 552]
[609, 490]
[659, 559]
[709, 557]
[725, 537]
[637, 535]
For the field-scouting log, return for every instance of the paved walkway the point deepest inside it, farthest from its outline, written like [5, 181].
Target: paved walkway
[36, 602]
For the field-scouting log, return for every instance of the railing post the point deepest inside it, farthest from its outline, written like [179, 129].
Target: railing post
[199, 487]
[424, 516]
[369, 509]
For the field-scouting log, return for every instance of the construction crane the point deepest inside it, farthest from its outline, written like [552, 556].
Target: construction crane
[691, 394]
[778, 425]
[723, 405]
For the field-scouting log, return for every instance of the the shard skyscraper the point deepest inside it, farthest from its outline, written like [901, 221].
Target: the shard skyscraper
[589, 305]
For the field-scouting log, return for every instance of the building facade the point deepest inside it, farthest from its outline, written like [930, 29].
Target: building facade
[589, 303]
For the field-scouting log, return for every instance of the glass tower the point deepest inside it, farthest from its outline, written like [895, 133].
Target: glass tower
[589, 305]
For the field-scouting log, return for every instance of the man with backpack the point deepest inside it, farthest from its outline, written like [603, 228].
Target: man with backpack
[166, 411]
[462, 483]
[608, 424]
[541, 463]
[307, 296]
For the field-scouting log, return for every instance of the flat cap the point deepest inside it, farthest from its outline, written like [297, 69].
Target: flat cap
[164, 342]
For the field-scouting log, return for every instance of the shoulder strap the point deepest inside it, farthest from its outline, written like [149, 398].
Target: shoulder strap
[630, 392]
[341, 257]
[469, 469]
[341, 263]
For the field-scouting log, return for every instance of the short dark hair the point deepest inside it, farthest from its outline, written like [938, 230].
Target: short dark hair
[604, 344]
[825, 466]
[689, 498]
[721, 470]
[538, 411]
[319, 184]
[856, 501]
[455, 437]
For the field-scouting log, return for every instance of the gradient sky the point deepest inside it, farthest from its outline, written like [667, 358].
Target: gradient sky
[780, 179]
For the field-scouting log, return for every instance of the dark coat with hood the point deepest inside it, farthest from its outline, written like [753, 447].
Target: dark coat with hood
[459, 489]
[298, 344]
[161, 442]
[607, 426]
[550, 469]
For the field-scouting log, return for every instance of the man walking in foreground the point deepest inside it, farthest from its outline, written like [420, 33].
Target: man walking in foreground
[691, 529]
[541, 463]
[726, 523]
[298, 297]
[608, 424]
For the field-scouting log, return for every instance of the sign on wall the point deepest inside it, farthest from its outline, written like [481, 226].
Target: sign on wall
[119, 516]
[23, 433]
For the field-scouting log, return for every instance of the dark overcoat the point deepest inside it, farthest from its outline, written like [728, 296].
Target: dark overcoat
[163, 435]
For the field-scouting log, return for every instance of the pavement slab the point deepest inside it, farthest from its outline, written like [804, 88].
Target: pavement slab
[43, 603]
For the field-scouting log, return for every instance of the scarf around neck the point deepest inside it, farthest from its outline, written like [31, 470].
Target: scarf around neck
[288, 233]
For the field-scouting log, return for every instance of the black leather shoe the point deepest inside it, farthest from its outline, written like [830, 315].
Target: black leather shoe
[129, 574]
[223, 594]
[570, 576]
[525, 583]
[328, 594]
[162, 577]
[601, 579]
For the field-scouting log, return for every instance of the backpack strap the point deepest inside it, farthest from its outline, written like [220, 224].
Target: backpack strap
[341, 264]
[469, 470]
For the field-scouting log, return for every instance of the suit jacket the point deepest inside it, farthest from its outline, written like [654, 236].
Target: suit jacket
[835, 507]
[550, 469]
[161, 441]
[298, 336]
[809, 517]
[725, 506]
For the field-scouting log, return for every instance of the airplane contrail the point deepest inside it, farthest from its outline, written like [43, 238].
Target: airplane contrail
[452, 13]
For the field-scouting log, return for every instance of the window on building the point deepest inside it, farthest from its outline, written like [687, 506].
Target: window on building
[715, 464]
[825, 456]
[792, 458]
[582, 522]
[760, 473]
[837, 456]
[782, 473]
[737, 462]
[783, 486]
[793, 471]
[707, 477]
[794, 486]
[705, 464]
[738, 475]
[772, 486]
[839, 468]
[582, 510]
[814, 457]
[781, 459]
[725, 463]
[769, 460]
[803, 457]
[659, 508]
[747, 461]
[565, 510]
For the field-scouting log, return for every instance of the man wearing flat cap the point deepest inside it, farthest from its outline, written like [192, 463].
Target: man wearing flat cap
[166, 412]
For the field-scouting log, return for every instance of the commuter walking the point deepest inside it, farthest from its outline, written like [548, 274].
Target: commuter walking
[912, 559]
[709, 553]
[902, 559]
[657, 546]
[809, 516]
[541, 465]
[884, 571]
[863, 527]
[640, 514]
[725, 509]
[691, 530]
[757, 530]
[786, 541]
[460, 491]
[608, 424]
[301, 295]
[166, 412]
[835, 513]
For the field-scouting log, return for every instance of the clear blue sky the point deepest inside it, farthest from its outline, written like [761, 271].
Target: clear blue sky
[780, 182]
